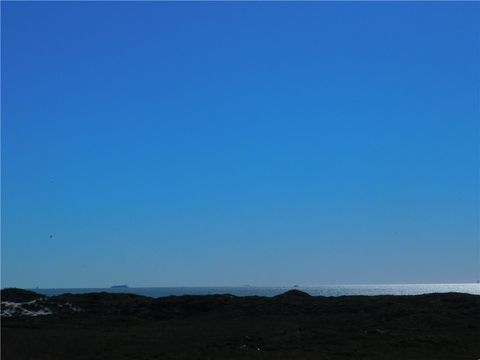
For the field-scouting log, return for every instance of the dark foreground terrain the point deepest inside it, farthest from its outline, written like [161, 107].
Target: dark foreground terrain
[290, 326]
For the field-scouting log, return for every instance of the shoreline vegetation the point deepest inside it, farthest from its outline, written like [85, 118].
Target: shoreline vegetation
[292, 325]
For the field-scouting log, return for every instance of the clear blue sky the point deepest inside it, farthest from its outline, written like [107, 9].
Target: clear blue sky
[239, 143]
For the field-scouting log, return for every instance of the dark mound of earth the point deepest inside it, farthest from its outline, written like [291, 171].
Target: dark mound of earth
[294, 294]
[293, 325]
[106, 303]
[19, 295]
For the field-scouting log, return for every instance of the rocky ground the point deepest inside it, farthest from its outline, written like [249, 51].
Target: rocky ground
[289, 326]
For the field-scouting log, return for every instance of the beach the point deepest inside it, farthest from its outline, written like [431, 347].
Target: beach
[293, 325]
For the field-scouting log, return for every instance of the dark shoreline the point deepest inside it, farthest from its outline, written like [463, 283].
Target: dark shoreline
[269, 291]
[293, 325]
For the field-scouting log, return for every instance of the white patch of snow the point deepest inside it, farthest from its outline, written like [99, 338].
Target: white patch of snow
[35, 307]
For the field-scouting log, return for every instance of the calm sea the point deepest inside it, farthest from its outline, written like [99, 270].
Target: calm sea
[320, 290]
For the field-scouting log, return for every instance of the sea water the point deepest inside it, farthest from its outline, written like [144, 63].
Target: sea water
[318, 290]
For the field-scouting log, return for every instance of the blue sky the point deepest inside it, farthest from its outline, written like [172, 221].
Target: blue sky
[159, 144]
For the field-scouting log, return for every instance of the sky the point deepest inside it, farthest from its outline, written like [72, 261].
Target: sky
[234, 143]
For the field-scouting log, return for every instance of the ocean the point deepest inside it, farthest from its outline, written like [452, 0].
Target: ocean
[319, 290]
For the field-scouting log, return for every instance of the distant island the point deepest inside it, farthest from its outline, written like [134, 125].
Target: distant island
[119, 287]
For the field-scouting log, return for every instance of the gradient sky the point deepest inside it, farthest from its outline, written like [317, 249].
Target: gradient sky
[159, 144]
